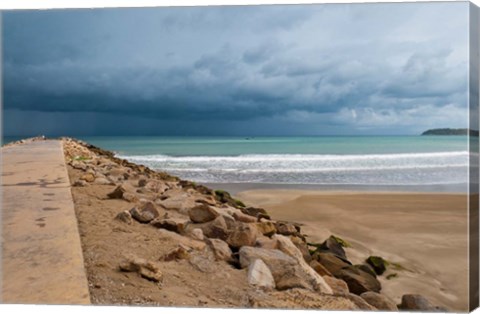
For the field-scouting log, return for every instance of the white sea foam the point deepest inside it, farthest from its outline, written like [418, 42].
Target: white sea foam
[405, 168]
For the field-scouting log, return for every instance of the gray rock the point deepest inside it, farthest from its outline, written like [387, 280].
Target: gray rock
[259, 275]
[124, 217]
[286, 271]
[220, 249]
[144, 213]
[416, 302]
[242, 235]
[202, 213]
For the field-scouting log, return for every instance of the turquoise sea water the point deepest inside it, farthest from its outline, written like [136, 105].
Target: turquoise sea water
[394, 160]
[355, 160]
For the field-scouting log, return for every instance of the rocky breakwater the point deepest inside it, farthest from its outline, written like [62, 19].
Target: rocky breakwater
[214, 231]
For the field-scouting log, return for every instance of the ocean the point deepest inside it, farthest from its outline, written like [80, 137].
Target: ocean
[330, 160]
[379, 161]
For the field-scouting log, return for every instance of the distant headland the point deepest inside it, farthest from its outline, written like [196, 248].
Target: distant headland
[448, 131]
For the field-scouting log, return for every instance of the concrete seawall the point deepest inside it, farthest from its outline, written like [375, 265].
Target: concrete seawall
[42, 260]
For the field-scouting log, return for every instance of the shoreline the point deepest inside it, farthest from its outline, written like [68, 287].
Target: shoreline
[235, 188]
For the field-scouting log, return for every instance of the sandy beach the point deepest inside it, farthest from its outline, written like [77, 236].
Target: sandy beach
[426, 233]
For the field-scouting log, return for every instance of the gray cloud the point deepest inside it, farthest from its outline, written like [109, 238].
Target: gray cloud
[313, 69]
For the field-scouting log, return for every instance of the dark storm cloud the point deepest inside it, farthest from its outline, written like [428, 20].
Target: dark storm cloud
[308, 68]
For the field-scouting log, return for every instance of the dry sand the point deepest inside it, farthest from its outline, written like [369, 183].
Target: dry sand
[426, 233]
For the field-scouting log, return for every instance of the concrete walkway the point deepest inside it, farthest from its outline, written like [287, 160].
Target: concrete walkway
[42, 258]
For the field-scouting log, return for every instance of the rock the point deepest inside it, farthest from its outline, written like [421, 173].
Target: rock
[284, 268]
[145, 213]
[367, 268]
[155, 186]
[78, 165]
[80, 183]
[265, 242]
[267, 228]
[220, 249]
[178, 200]
[359, 302]
[379, 301]
[242, 235]
[179, 253]
[215, 229]
[259, 275]
[202, 213]
[170, 224]
[118, 192]
[333, 246]
[338, 285]
[203, 263]
[207, 200]
[285, 245]
[378, 264]
[102, 181]
[146, 269]
[142, 182]
[302, 246]
[197, 234]
[331, 262]
[239, 216]
[89, 177]
[124, 217]
[416, 302]
[255, 212]
[319, 268]
[285, 228]
[357, 280]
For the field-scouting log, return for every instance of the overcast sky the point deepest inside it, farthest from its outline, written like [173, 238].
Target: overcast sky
[260, 70]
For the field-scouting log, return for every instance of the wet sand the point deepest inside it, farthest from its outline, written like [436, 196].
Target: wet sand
[426, 233]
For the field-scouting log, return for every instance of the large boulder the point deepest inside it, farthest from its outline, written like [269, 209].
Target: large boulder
[378, 264]
[174, 199]
[333, 246]
[220, 249]
[286, 228]
[239, 216]
[267, 228]
[146, 269]
[144, 213]
[338, 285]
[331, 262]
[285, 269]
[285, 245]
[416, 302]
[319, 268]
[202, 213]
[170, 224]
[118, 192]
[379, 301]
[259, 275]
[255, 212]
[216, 229]
[357, 280]
[242, 235]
